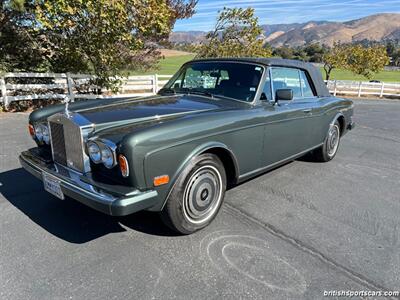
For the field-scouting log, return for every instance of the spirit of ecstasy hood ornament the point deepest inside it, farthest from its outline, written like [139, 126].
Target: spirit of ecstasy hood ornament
[66, 111]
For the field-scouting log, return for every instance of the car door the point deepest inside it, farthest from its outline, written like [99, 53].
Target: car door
[288, 124]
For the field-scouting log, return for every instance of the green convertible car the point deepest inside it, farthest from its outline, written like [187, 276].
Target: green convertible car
[216, 123]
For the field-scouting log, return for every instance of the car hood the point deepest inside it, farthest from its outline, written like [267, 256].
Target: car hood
[149, 108]
[102, 111]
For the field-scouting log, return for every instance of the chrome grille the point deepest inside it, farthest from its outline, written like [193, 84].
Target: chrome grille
[73, 145]
[67, 136]
[58, 143]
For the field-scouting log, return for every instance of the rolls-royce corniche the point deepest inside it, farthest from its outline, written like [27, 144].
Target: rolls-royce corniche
[216, 123]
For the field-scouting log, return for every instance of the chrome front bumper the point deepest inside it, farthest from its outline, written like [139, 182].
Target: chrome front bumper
[109, 199]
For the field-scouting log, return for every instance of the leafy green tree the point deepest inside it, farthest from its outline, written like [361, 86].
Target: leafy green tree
[283, 52]
[315, 52]
[236, 34]
[21, 47]
[396, 58]
[367, 61]
[361, 60]
[100, 37]
[336, 57]
[300, 54]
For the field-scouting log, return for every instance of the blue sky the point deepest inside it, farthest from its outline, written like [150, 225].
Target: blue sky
[289, 11]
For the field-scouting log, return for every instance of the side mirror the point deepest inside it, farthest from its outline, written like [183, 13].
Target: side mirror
[284, 94]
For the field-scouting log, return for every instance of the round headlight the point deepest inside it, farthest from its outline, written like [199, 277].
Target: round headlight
[94, 152]
[45, 133]
[39, 132]
[107, 157]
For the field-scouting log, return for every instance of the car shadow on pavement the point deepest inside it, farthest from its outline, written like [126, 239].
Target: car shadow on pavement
[68, 219]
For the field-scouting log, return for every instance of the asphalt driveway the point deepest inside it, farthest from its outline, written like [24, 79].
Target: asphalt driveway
[295, 232]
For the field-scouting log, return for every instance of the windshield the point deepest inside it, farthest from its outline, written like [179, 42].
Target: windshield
[238, 81]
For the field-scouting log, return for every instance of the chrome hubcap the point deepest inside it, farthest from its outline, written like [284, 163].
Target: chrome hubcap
[333, 140]
[202, 195]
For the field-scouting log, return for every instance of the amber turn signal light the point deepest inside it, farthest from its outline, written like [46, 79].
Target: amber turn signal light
[160, 180]
[31, 130]
[123, 165]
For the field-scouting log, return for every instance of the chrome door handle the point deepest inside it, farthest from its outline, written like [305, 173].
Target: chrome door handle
[307, 111]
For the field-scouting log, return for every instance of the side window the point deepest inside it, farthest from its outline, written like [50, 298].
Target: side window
[267, 93]
[286, 78]
[305, 85]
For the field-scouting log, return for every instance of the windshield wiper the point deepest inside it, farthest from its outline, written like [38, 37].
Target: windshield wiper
[167, 91]
[196, 92]
[212, 95]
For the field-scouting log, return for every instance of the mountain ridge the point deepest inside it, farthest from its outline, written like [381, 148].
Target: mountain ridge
[375, 27]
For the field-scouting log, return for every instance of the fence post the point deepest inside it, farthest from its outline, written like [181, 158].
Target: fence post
[359, 89]
[4, 91]
[382, 89]
[156, 83]
[335, 88]
[70, 84]
[153, 84]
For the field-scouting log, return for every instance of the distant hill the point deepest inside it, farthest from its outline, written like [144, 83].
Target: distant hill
[187, 36]
[374, 28]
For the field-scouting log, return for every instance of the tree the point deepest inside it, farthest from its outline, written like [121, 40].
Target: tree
[367, 61]
[315, 52]
[21, 48]
[283, 52]
[336, 57]
[103, 37]
[236, 34]
[396, 58]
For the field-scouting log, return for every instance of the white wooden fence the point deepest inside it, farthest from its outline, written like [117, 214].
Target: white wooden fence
[73, 86]
[79, 86]
[364, 88]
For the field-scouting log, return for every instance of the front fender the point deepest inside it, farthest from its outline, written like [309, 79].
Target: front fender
[172, 161]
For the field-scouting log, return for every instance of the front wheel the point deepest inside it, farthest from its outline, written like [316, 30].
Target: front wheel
[331, 144]
[197, 195]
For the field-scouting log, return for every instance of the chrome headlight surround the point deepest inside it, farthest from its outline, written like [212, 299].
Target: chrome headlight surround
[107, 155]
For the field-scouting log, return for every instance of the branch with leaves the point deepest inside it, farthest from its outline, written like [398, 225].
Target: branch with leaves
[359, 59]
[99, 37]
[236, 34]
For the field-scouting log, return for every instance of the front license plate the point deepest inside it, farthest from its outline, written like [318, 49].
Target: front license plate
[52, 185]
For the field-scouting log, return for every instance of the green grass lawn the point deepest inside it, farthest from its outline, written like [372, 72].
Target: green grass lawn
[170, 65]
[384, 76]
[167, 66]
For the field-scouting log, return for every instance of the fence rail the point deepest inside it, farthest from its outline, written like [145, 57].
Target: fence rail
[27, 86]
[362, 88]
